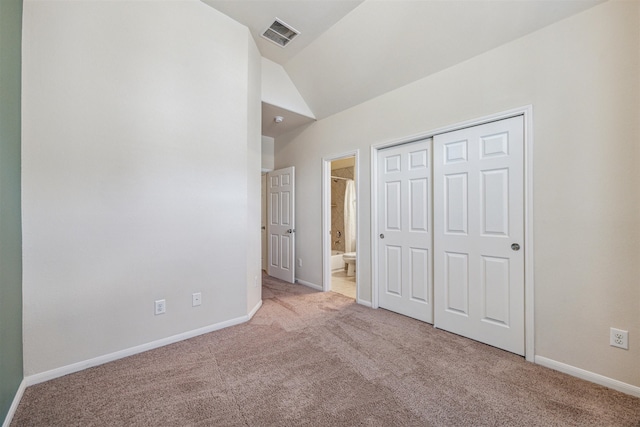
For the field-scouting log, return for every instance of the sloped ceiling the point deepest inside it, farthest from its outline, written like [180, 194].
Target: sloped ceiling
[366, 49]
[311, 17]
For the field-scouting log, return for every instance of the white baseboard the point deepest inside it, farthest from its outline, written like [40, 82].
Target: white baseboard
[319, 288]
[14, 404]
[100, 360]
[363, 302]
[588, 375]
[310, 285]
[254, 310]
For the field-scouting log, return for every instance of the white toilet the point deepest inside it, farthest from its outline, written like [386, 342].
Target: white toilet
[350, 259]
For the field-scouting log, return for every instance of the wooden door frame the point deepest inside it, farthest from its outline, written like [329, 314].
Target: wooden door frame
[326, 218]
[529, 294]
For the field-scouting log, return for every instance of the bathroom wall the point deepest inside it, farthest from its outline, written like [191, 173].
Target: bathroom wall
[338, 187]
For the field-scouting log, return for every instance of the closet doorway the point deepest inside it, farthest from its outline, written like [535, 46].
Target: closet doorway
[477, 250]
[340, 224]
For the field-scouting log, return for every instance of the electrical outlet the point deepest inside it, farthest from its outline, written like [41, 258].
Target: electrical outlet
[255, 281]
[299, 262]
[161, 306]
[619, 338]
[196, 299]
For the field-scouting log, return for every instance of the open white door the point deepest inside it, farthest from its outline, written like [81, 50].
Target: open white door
[281, 224]
[479, 233]
[404, 230]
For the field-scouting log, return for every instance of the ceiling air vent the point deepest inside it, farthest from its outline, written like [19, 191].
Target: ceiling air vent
[280, 33]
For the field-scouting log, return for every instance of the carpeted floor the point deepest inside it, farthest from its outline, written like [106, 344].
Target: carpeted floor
[318, 359]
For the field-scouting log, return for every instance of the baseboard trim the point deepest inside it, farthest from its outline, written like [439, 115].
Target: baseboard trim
[14, 405]
[254, 310]
[363, 302]
[588, 375]
[309, 285]
[100, 360]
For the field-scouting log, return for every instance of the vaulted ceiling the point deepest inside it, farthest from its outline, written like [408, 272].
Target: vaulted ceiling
[350, 51]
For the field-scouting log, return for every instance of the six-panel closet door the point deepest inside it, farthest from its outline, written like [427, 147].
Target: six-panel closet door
[479, 233]
[404, 223]
[464, 272]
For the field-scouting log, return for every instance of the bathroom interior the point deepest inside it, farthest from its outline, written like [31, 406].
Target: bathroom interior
[343, 227]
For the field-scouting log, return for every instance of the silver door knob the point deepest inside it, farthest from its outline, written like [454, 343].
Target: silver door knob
[291, 230]
[515, 247]
[381, 236]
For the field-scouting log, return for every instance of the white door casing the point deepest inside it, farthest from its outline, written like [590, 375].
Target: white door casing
[263, 221]
[404, 230]
[281, 224]
[326, 218]
[479, 233]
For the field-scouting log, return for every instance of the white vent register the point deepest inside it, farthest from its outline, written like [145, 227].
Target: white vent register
[280, 33]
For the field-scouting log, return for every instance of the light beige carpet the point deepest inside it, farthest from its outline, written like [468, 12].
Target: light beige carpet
[318, 359]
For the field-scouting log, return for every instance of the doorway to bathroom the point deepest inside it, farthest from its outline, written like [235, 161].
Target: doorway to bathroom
[340, 224]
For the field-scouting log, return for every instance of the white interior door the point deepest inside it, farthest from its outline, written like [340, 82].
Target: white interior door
[281, 224]
[478, 233]
[404, 230]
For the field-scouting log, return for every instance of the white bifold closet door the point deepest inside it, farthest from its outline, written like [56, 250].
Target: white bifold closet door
[404, 227]
[479, 233]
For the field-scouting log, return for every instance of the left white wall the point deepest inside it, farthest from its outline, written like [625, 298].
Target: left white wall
[139, 135]
[254, 174]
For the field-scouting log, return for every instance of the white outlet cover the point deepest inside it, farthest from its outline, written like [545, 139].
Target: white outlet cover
[619, 338]
[160, 306]
[196, 299]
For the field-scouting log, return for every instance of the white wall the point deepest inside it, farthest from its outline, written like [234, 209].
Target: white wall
[279, 90]
[254, 177]
[582, 77]
[268, 160]
[140, 162]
